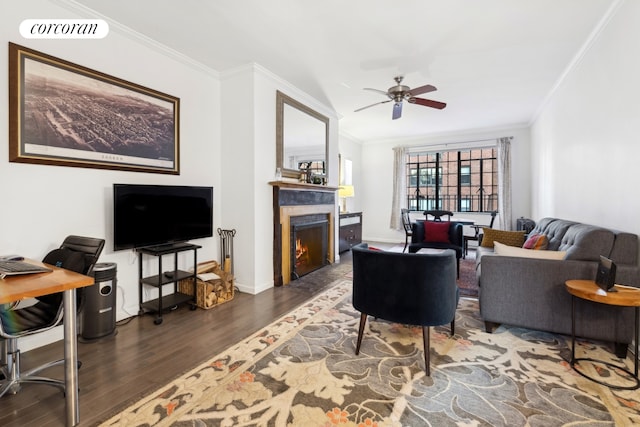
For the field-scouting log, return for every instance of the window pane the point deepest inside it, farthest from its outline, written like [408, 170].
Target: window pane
[464, 181]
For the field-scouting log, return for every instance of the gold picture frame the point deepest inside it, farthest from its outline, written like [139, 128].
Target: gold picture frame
[65, 114]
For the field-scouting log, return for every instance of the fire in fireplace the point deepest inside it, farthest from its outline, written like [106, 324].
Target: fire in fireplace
[309, 249]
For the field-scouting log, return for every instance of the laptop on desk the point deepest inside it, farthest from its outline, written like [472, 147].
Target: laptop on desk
[14, 268]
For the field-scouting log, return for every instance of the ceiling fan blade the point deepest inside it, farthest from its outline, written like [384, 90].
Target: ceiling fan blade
[428, 103]
[422, 89]
[372, 105]
[382, 92]
[397, 110]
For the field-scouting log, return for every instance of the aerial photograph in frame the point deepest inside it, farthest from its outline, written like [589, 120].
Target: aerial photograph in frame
[65, 114]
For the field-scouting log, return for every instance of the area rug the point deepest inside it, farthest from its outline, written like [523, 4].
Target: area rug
[302, 371]
[467, 282]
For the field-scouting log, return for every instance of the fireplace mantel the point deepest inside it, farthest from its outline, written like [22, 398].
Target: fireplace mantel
[296, 199]
[294, 185]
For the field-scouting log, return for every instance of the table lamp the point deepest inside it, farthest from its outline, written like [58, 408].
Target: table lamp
[345, 191]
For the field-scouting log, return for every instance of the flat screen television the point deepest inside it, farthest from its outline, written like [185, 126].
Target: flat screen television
[153, 215]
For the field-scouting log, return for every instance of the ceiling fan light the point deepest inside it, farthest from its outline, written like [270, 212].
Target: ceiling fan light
[397, 110]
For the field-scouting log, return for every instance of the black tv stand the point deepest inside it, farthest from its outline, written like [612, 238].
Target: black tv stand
[168, 247]
[170, 301]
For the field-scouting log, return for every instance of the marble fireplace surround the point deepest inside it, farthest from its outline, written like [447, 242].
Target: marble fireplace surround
[291, 199]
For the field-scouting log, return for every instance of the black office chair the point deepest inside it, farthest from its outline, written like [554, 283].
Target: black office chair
[437, 214]
[408, 230]
[412, 289]
[76, 253]
[476, 236]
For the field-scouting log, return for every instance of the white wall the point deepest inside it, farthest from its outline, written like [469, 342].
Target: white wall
[585, 146]
[41, 204]
[249, 130]
[375, 194]
[227, 140]
[351, 149]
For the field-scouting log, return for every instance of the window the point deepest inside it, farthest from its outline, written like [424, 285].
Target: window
[465, 175]
[316, 166]
[462, 180]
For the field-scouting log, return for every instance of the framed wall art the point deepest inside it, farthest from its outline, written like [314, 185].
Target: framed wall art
[64, 114]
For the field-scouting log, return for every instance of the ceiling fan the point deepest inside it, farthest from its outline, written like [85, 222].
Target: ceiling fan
[399, 93]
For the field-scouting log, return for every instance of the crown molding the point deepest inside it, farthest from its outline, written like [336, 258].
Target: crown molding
[135, 36]
[578, 57]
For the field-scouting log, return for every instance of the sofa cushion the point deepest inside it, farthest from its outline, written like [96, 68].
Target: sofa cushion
[587, 242]
[436, 232]
[505, 250]
[554, 229]
[511, 238]
[536, 242]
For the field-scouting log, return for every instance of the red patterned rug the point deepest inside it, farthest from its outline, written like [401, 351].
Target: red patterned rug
[467, 280]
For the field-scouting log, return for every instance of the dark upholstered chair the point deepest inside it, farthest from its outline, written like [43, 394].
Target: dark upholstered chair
[455, 239]
[406, 223]
[477, 235]
[76, 253]
[413, 289]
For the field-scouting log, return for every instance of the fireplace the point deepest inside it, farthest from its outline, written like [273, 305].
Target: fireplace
[308, 245]
[295, 204]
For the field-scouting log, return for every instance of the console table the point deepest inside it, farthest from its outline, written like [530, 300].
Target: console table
[350, 230]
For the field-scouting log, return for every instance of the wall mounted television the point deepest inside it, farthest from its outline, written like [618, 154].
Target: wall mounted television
[153, 215]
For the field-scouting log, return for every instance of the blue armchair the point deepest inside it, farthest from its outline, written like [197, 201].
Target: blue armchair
[455, 240]
[414, 289]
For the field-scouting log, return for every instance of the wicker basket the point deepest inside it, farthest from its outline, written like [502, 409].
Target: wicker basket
[211, 293]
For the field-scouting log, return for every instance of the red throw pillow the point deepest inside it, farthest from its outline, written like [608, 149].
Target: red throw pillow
[536, 241]
[436, 231]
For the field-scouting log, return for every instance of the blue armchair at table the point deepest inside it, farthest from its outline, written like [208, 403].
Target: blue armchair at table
[414, 289]
[451, 239]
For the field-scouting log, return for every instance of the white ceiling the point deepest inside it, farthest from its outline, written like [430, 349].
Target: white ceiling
[493, 61]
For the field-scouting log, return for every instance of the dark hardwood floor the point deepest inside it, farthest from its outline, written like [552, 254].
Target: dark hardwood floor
[118, 370]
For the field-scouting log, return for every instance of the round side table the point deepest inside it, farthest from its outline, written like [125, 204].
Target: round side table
[622, 296]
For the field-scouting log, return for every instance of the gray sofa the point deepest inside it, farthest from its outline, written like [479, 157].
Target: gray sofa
[531, 293]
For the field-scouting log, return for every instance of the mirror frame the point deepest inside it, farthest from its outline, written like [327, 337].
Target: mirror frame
[281, 100]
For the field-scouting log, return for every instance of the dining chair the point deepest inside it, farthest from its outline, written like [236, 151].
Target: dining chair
[437, 214]
[476, 236]
[406, 223]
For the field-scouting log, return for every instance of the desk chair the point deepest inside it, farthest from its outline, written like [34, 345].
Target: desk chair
[406, 223]
[477, 229]
[437, 214]
[76, 253]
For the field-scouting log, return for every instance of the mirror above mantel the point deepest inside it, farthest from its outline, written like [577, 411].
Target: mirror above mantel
[302, 138]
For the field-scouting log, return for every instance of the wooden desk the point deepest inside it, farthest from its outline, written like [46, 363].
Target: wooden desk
[622, 296]
[16, 288]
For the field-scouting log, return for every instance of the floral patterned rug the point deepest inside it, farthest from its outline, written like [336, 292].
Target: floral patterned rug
[302, 371]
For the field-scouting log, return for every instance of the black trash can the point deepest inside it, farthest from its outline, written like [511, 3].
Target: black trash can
[99, 312]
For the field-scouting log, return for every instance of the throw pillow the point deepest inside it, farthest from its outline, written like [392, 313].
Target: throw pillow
[505, 250]
[511, 238]
[537, 242]
[436, 231]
